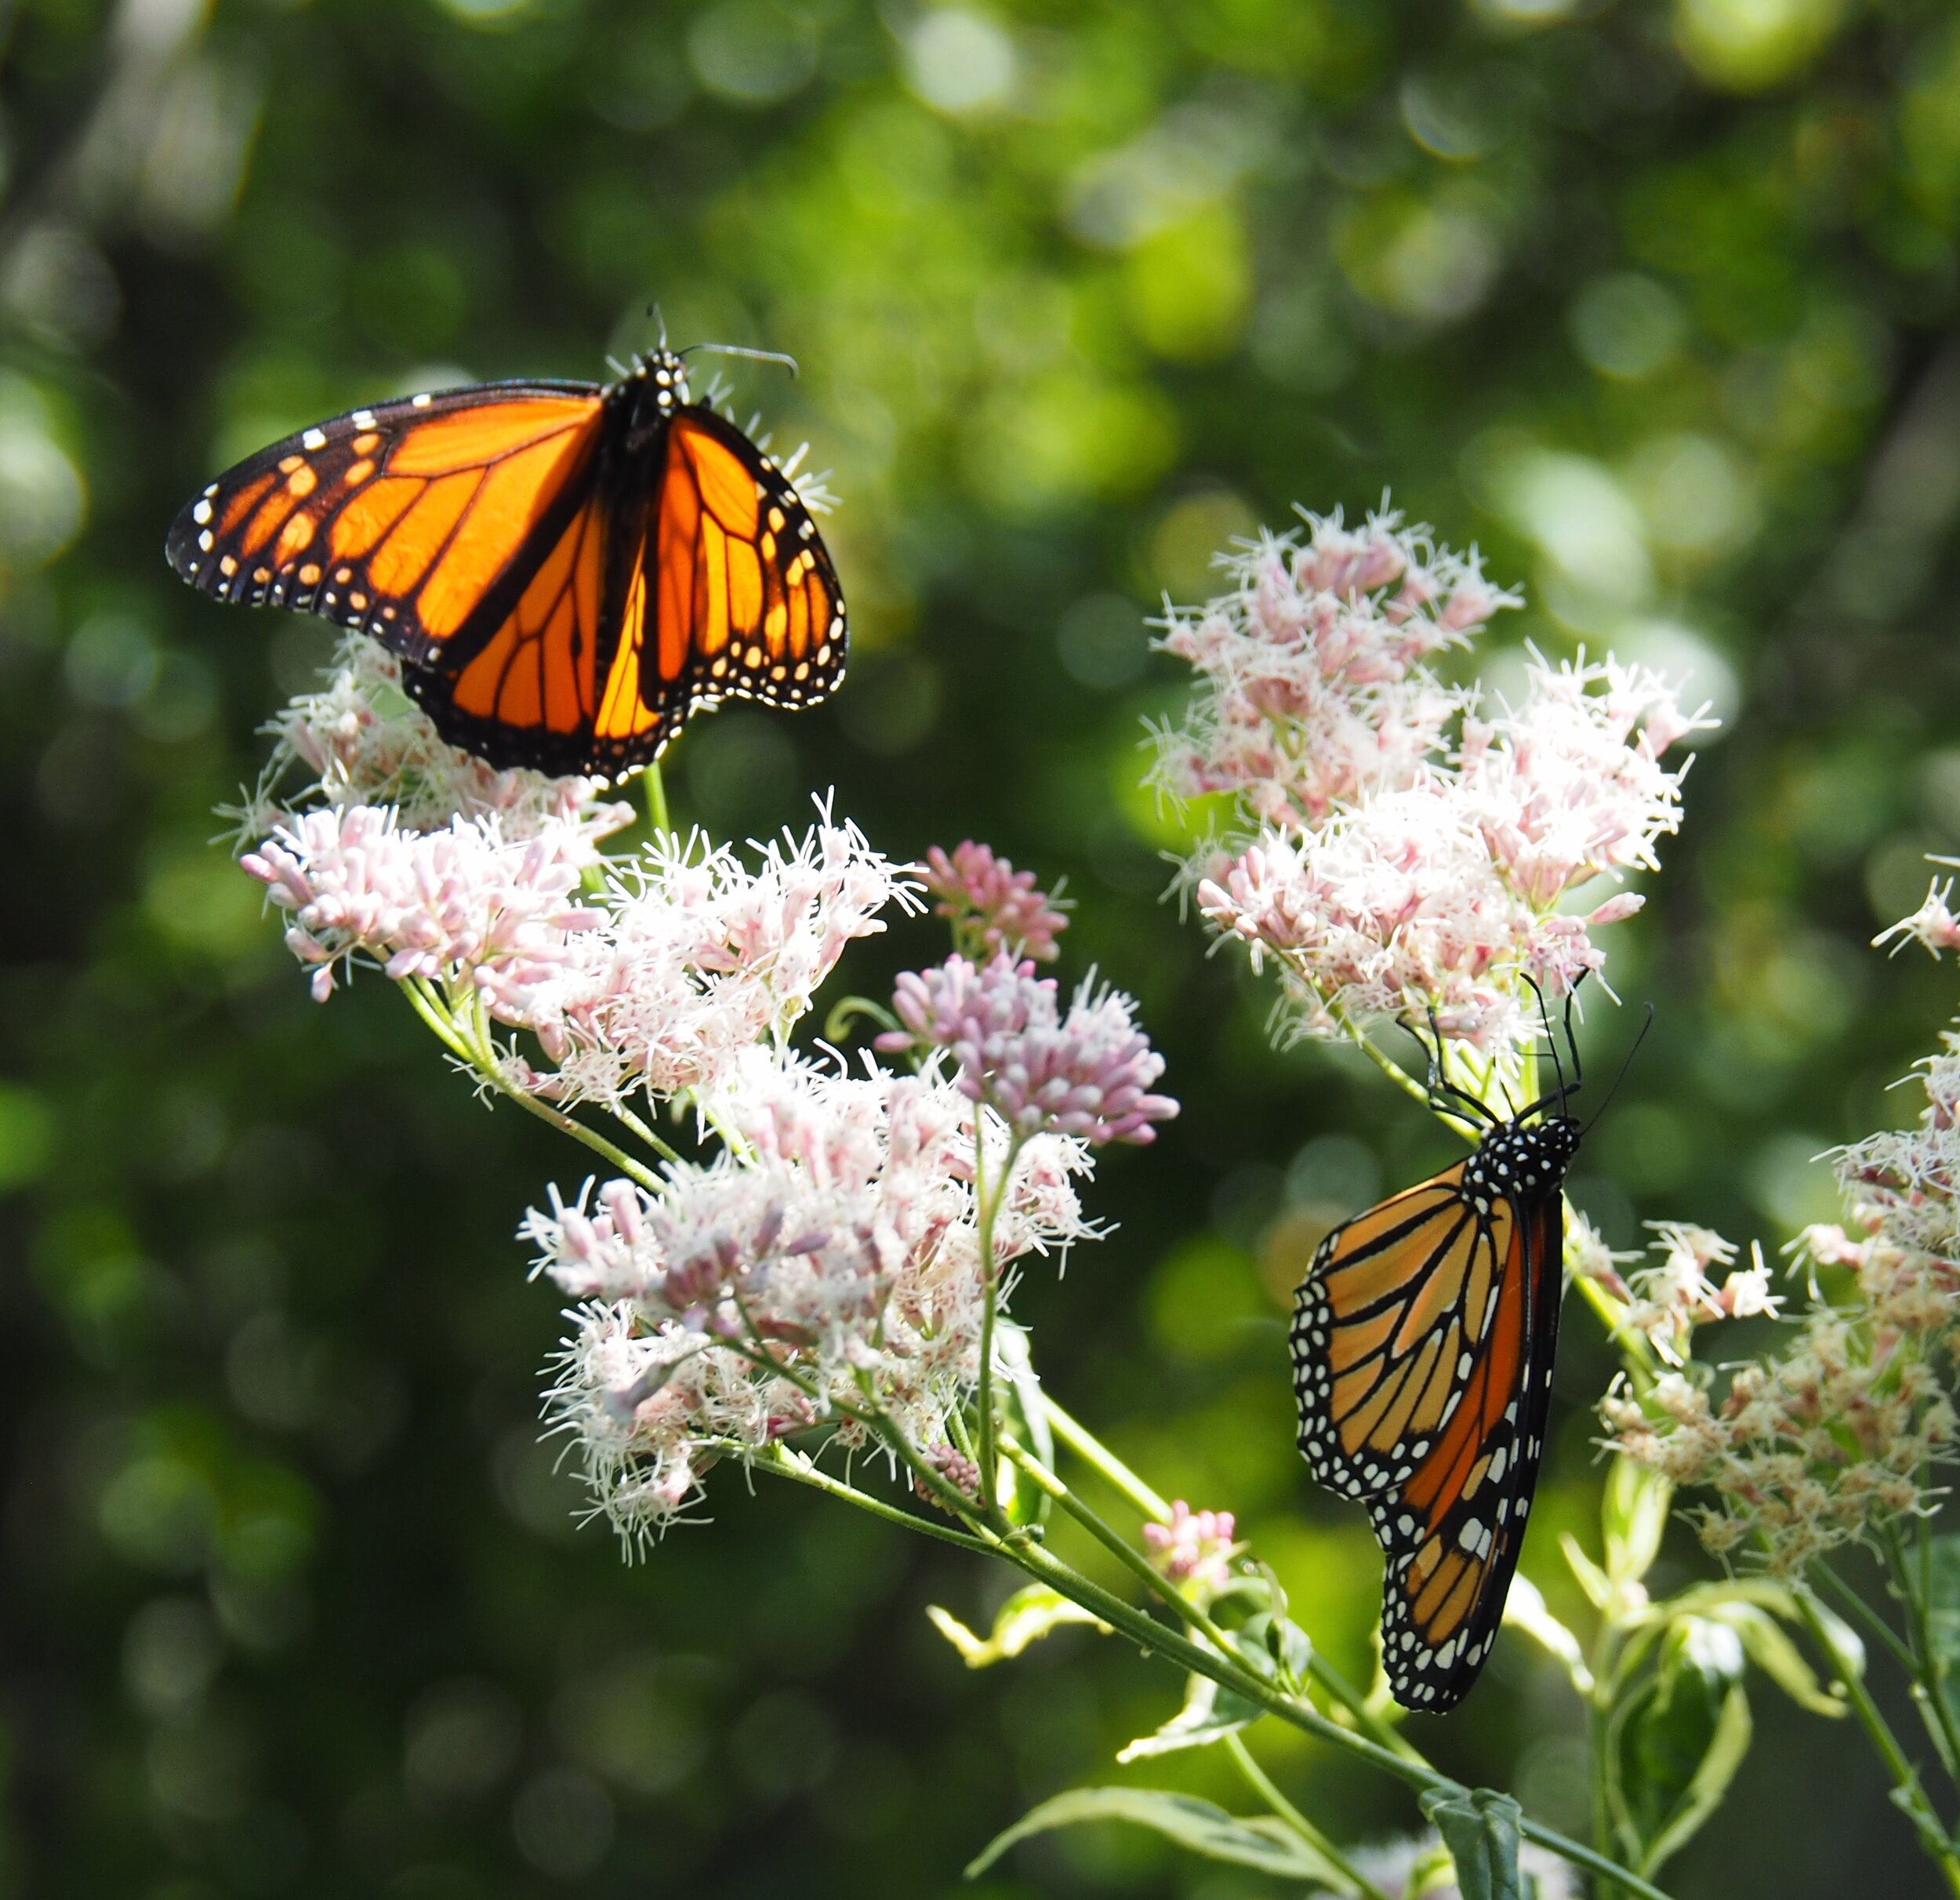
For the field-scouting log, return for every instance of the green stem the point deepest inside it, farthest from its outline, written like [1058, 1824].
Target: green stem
[987, 1206]
[1099, 1458]
[474, 1047]
[1160, 1639]
[781, 1463]
[1908, 1793]
[1262, 1785]
[1387, 1064]
[654, 788]
[1928, 1690]
[1875, 1626]
[645, 1131]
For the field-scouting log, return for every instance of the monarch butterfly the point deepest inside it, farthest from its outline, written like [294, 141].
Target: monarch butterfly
[1422, 1342]
[567, 569]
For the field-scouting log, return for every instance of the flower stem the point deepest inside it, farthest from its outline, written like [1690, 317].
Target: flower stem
[1875, 1624]
[987, 1206]
[1928, 1686]
[1908, 1791]
[654, 788]
[471, 1044]
[1262, 1785]
[780, 1462]
[1099, 1458]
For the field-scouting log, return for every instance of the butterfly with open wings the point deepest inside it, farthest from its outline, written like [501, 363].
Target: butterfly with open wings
[568, 570]
[1422, 1343]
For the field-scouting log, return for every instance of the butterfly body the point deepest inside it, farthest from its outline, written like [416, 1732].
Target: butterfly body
[1422, 1344]
[568, 570]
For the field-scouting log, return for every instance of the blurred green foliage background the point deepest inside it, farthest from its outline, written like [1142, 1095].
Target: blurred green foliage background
[1655, 301]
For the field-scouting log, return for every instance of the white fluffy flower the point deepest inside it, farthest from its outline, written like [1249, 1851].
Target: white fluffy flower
[826, 1260]
[1441, 893]
[365, 742]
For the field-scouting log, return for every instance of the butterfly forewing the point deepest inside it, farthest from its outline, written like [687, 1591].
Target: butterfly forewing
[415, 521]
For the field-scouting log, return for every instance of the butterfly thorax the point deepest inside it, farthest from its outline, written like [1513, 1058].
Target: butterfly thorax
[1516, 1161]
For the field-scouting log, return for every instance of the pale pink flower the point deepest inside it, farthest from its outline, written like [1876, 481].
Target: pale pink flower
[460, 905]
[364, 741]
[1195, 1549]
[1439, 894]
[991, 906]
[1933, 923]
[701, 957]
[1088, 1074]
[1311, 690]
[828, 1257]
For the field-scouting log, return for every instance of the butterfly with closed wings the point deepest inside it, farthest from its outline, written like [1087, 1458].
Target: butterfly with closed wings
[568, 570]
[1422, 1343]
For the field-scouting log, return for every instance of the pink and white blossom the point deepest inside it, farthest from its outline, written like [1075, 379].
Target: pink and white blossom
[991, 906]
[1195, 1549]
[1442, 894]
[365, 742]
[462, 904]
[1311, 692]
[828, 1261]
[1088, 1074]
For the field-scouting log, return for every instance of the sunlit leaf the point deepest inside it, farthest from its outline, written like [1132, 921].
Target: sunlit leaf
[1027, 1616]
[1259, 1841]
[1209, 1713]
[1524, 1608]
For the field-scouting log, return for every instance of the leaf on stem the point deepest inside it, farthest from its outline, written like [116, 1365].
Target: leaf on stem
[1633, 1516]
[1026, 1416]
[1209, 1713]
[1027, 1616]
[1675, 1745]
[1258, 1841]
[1481, 1828]
[1524, 1608]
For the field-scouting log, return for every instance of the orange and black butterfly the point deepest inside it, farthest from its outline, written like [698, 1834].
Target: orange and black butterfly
[1422, 1342]
[567, 569]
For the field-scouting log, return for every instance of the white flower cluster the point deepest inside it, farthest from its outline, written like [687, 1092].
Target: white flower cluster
[364, 741]
[657, 980]
[828, 1263]
[1394, 873]
[1836, 1433]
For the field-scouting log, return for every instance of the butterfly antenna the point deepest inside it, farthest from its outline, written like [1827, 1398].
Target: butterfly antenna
[1441, 1088]
[734, 349]
[1624, 1067]
[1551, 1040]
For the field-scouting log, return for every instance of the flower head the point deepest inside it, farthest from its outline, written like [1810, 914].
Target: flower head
[1195, 1549]
[991, 906]
[829, 1261]
[1088, 1074]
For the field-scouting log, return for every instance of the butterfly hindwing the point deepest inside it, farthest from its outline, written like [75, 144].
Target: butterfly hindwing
[1451, 1535]
[415, 521]
[1422, 1344]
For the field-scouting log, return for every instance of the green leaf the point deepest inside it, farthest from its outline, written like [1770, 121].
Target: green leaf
[1259, 1842]
[1733, 1730]
[1209, 1713]
[1594, 1581]
[1027, 1616]
[1632, 1516]
[1524, 1608]
[1480, 1828]
[1275, 1647]
[1675, 1744]
[1023, 1500]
